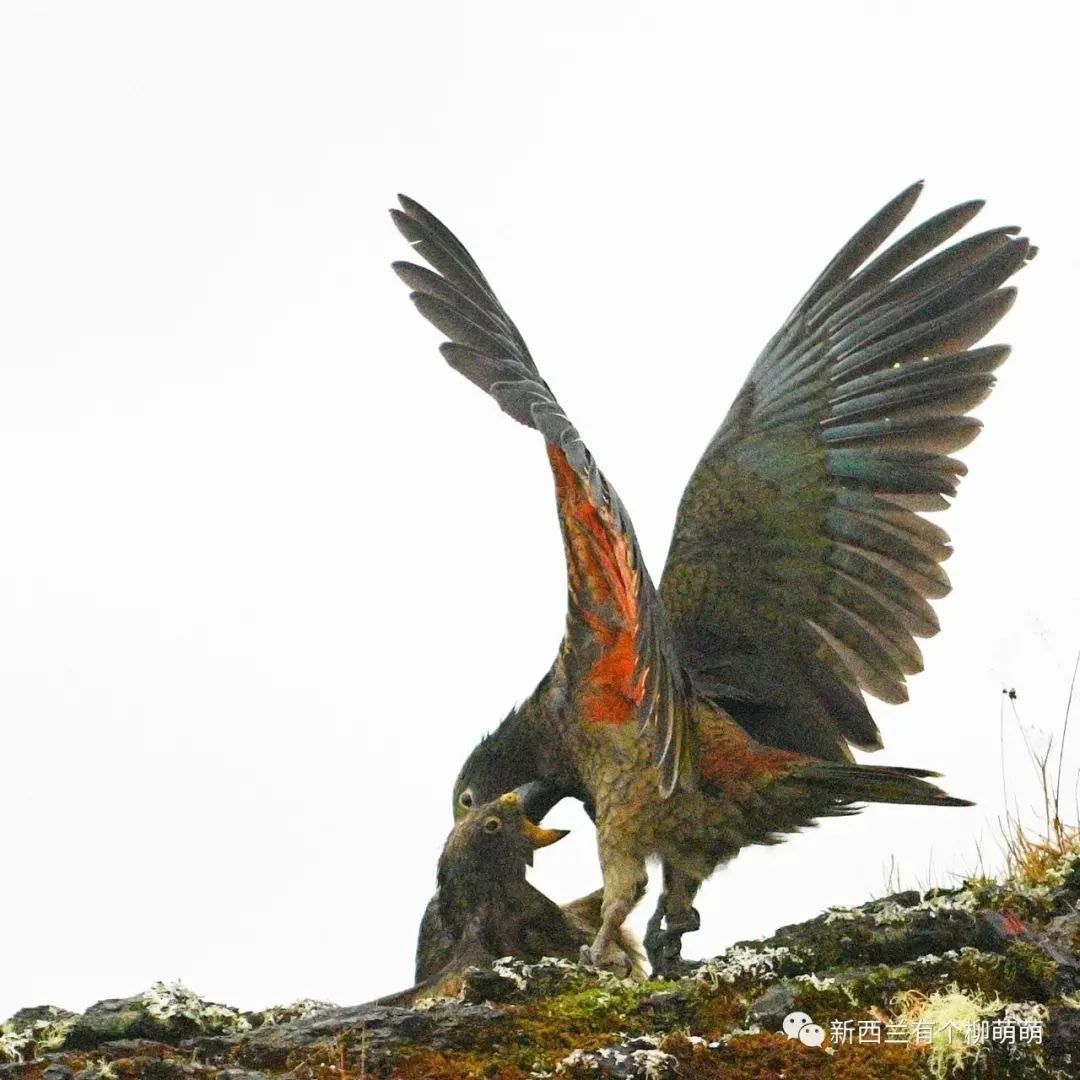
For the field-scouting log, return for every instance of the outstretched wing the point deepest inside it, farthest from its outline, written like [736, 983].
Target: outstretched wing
[617, 652]
[801, 566]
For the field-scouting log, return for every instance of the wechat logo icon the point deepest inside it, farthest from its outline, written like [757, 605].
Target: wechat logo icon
[798, 1025]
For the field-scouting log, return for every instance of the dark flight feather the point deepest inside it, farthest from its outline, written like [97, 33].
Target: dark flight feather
[861, 397]
[486, 347]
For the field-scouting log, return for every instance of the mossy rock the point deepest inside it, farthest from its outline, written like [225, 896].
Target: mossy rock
[998, 953]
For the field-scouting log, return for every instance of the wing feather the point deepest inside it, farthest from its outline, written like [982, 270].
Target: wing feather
[801, 567]
[618, 654]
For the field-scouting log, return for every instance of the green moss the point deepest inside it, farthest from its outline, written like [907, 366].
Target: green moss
[1021, 973]
[768, 1056]
[905, 954]
[828, 1001]
[713, 1015]
[1029, 973]
[600, 1005]
[535, 1035]
[1070, 877]
[434, 1065]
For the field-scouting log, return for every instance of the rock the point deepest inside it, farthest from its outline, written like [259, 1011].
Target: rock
[210, 1049]
[162, 1068]
[768, 1011]
[384, 1028]
[167, 1014]
[638, 1059]
[889, 931]
[490, 985]
[118, 1018]
[1062, 934]
[129, 1048]
[664, 1006]
[31, 1033]
[38, 1014]
[998, 951]
[1062, 1042]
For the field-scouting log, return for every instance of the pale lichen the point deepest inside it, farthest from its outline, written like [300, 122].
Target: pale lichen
[502, 968]
[816, 981]
[43, 1035]
[890, 913]
[640, 1056]
[13, 1043]
[166, 1001]
[947, 1016]
[1028, 1013]
[840, 914]
[101, 1069]
[424, 1003]
[296, 1010]
[740, 960]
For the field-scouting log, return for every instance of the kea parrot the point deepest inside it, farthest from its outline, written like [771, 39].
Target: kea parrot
[485, 909]
[720, 709]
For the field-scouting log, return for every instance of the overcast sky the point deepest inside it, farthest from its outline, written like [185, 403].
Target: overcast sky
[268, 568]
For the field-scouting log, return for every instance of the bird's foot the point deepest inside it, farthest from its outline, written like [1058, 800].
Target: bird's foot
[611, 958]
[683, 923]
[654, 936]
[663, 946]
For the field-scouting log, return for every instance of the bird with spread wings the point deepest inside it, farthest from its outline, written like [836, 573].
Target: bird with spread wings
[718, 710]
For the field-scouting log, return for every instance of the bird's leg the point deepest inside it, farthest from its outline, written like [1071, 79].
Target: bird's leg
[676, 909]
[654, 931]
[624, 885]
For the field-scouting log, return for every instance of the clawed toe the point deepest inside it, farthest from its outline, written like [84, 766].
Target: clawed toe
[666, 954]
[664, 946]
[614, 960]
[689, 922]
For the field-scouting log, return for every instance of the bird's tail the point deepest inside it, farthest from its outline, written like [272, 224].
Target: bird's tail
[844, 784]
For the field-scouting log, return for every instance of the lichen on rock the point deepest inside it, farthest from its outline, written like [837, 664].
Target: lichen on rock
[997, 961]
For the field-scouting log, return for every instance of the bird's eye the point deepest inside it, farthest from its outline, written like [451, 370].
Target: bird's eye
[465, 798]
[492, 825]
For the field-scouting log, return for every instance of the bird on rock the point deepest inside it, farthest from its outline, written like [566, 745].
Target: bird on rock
[720, 709]
[485, 909]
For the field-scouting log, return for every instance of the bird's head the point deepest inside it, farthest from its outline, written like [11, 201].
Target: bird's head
[501, 762]
[494, 841]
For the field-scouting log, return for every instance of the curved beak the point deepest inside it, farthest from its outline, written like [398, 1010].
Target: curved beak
[537, 835]
[536, 798]
[540, 837]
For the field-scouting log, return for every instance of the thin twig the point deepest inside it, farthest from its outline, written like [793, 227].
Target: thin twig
[1064, 734]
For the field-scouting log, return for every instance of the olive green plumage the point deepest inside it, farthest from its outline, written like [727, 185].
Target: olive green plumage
[719, 709]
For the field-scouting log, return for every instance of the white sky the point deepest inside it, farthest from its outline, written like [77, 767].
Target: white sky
[268, 568]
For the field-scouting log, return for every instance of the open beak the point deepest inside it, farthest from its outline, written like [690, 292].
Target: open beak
[537, 835]
[537, 798]
[540, 837]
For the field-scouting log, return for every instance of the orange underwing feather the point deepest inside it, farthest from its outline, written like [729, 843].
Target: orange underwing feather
[603, 585]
